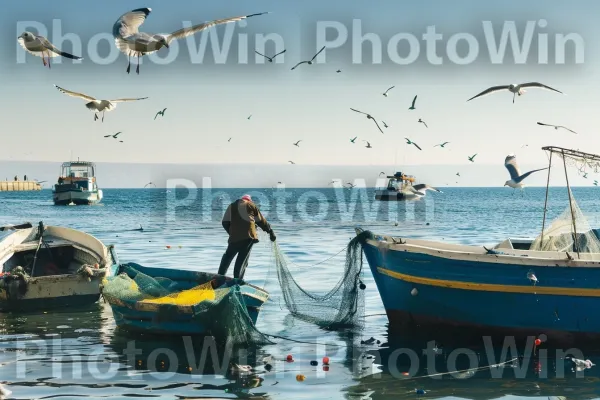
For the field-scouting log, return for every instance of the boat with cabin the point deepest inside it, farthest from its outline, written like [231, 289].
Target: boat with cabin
[77, 184]
[401, 187]
[547, 286]
[48, 267]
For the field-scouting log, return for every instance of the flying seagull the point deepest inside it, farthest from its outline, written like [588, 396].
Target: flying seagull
[423, 122]
[297, 143]
[113, 136]
[368, 146]
[96, 105]
[250, 116]
[514, 89]
[557, 127]
[382, 173]
[412, 107]
[350, 185]
[472, 158]
[354, 140]
[41, 47]
[291, 162]
[368, 117]
[585, 175]
[442, 145]
[338, 71]
[161, 113]
[421, 189]
[270, 58]
[148, 184]
[133, 43]
[408, 141]
[595, 183]
[310, 61]
[386, 92]
[516, 178]
[384, 124]
[229, 140]
[458, 174]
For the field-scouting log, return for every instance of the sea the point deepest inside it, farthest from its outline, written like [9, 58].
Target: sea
[81, 354]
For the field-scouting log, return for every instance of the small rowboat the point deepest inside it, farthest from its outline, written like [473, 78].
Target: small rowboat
[47, 267]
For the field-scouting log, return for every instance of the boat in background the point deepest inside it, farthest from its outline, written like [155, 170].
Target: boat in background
[401, 187]
[77, 184]
[49, 267]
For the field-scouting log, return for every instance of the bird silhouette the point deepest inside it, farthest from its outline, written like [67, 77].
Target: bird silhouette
[514, 89]
[472, 158]
[369, 117]
[386, 92]
[338, 71]
[250, 116]
[309, 62]
[297, 143]
[423, 122]
[354, 140]
[113, 136]
[412, 107]
[585, 175]
[458, 174]
[384, 124]
[595, 183]
[368, 146]
[229, 140]
[381, 173]
[408, 141]
[291, 162]
[442, 145]
[516, 178]
[557, 127]
[270, 58]
[161, 113]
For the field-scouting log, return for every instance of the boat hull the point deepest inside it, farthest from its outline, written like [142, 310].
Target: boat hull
[430, 295]
[76, 197]
[392, 195]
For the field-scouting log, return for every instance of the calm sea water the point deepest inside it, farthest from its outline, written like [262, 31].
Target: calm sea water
[74, 354]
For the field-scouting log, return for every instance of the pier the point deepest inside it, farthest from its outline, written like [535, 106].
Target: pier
[19, 186]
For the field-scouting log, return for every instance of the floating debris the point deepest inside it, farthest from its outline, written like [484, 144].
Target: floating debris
[581, 365]
[531, 276]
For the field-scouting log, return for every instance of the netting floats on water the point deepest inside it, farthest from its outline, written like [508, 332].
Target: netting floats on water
[221, 309]
[343, 306]
[560, 235]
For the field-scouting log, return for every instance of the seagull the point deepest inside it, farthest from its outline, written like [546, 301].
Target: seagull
[291, 162]
[229, 140]
[368, 146]
[516, 178]
[338, 71]
[423, 122]
[442, 145]
[161, 113]
[525, 145]
[368, 117]
[408, 141]
[585, 175]
[557, 127]
[270, 58]
[412, 107]
[595, 183]
[96, 105]
[472, 158]
[421, 189]
[310, 61]
[113, 136]
[458, 174]
[250, 116]
[297, 143]
[351, 185]
[514, 89]
[41, 47]
[134, 43]
[384, 124]
[354, 140]
[148, 184]
[382, 173]
[386, 92]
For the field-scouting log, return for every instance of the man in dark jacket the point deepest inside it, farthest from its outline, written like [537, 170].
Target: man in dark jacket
[240, 222]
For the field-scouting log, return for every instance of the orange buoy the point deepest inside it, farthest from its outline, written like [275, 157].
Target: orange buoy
[300, 378]
[289, 358]
[325, 360]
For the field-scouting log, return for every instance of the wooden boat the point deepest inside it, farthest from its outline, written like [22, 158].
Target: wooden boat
[164, 317]
[432, 288]
[48, 267]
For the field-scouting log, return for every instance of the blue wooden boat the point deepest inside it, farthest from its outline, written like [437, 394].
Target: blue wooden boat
[189, 319]
[433, 288]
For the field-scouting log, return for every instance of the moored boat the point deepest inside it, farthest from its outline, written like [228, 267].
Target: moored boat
[182, 302]
[77, 184]
[47, 267]
[401, 187]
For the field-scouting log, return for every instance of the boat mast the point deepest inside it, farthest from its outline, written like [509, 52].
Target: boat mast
[571, 205]
[546, 201]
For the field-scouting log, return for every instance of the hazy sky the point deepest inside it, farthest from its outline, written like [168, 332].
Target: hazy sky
[209, 102]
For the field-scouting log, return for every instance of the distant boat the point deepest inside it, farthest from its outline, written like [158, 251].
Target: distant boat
[77, 184]
[400, 187]
[48, 267]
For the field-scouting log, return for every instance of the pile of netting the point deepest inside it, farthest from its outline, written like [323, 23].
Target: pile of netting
[343, 306]
[221, 309]
[560, 235]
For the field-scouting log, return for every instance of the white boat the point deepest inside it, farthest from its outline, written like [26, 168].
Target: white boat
[77, 184]
[401, 187]
[48, 267]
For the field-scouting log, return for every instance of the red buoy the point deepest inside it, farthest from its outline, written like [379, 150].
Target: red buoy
[289, 358]
[538, 342]
[325, 360]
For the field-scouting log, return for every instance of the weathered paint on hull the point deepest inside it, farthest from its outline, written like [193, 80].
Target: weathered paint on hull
[485, 299]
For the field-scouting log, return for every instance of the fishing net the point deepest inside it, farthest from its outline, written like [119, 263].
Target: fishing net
[221, 310]
[560, 235]
[343, 306]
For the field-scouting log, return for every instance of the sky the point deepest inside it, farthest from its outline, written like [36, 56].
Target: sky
[209, 102]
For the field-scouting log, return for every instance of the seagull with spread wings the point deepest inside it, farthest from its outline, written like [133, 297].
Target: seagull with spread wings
[412, 107]
[422, 122]
[133, 43]
[557, 127]
[41, 47]
[472, 158]
[291, 162]
[113, 136]
[369, 116]
[297, 144]
[408, 141]
[270, 58]
[368, 146]
[514, 89]
[386, 92]
[442, 145]
[161, 113]
[309, 62]
[516, 178]
[353, 140]
[97, 105]
[421, 189]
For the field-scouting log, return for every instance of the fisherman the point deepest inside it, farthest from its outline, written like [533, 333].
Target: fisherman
[240, 220]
